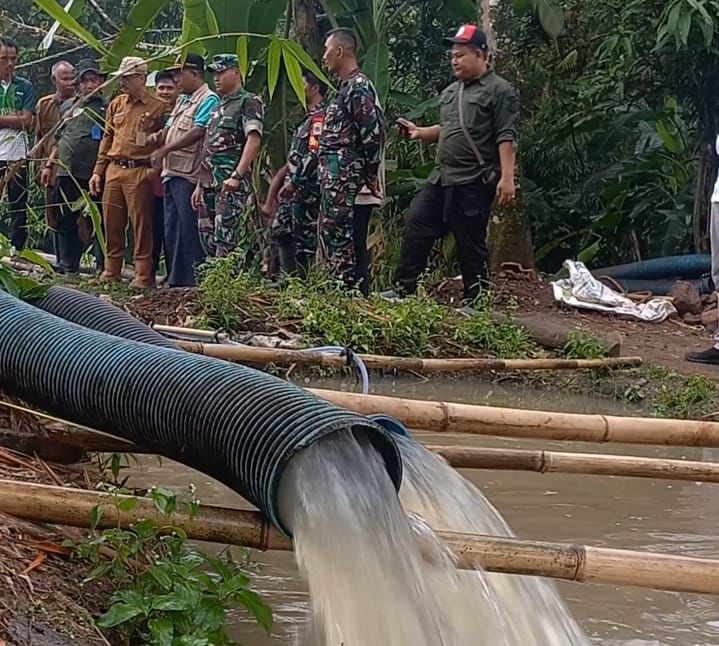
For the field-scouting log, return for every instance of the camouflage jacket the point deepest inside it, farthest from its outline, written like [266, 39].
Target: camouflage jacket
[302, 156]
[236, 116]
[355, 126]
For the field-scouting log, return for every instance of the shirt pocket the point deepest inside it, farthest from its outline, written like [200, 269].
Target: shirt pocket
[447, 112]
[184, 123]
[479, 111]
[228, 122]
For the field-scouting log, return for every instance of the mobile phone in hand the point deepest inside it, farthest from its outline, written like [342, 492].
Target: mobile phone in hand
[403, 127]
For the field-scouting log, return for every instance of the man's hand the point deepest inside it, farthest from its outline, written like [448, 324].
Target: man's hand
[506, 190]
[155, 139]
[407, 129]
[196, 200]
[157, 156]
[268, 209]
[95, 185]
[375, 189]
[230, 185]
[288, 190]
[46, 177]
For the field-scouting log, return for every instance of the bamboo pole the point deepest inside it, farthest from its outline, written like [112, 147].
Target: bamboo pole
[60, 505]
[450, 417]
[459, 457]
[281, 356]
[464, 457]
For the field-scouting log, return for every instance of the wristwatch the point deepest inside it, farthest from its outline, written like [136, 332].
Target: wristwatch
[235, 175]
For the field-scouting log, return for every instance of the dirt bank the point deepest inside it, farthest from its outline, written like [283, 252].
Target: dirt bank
[664, 344]
[44, 600]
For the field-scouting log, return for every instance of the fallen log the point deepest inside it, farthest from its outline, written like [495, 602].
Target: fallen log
[284, 357]
[555, 335]
[572, 562]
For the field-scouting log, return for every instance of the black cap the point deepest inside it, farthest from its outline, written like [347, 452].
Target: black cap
[87, 65]
[469, 35]
[192, 62]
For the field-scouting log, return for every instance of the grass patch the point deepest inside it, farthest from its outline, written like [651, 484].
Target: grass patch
[686, 397]
[583, 346]
[323, 313]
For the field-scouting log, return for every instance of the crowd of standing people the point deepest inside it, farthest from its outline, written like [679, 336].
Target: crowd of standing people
[176, 165]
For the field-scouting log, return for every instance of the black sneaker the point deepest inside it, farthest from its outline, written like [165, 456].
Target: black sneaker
[710, 356]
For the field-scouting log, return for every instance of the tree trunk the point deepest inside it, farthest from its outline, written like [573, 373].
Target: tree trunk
[701, 199]
[306, 28]
[509, 236]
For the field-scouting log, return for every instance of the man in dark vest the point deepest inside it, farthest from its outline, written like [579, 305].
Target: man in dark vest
[72, 160]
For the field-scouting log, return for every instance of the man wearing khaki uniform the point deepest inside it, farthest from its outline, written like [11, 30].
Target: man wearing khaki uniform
[124, 163]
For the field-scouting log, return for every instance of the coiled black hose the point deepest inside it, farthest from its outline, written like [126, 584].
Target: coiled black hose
[92, 312]
[234, 423]
[688, 266]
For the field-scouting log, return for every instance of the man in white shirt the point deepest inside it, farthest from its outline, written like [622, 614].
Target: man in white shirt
[17, 107]
[711, 355]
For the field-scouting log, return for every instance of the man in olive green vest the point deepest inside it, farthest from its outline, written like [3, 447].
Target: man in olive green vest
[477, 137]
[73, 158]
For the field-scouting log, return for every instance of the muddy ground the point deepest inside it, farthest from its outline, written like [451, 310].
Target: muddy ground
[44, 600]
[664, 344]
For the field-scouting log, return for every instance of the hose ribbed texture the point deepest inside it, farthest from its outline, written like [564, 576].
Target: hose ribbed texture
[234, 423]
[661, 286]
[91, 312]
[689, 266]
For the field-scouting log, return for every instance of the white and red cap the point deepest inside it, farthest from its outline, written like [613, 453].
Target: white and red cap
[469, 35]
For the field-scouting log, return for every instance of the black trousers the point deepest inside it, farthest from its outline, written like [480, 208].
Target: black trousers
[158, 233]
[183, 250]
[437, 210]
[360, 225]
[17, 198]
[68, 197]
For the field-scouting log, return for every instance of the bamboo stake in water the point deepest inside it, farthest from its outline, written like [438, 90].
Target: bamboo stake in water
[61, 505]
[450, 417]
[286, 357]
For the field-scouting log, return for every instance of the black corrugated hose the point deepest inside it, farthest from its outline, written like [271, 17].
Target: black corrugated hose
[94, 313]
[236, 424]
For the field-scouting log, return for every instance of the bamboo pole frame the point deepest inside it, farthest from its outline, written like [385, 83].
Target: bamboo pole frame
[572, 562]
[459, 457]
[285, 357]
[450, 417]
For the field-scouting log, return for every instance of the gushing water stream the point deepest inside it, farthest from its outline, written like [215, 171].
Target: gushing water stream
[376, 572]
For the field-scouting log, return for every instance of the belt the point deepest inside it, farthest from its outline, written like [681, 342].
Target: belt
[132, 163]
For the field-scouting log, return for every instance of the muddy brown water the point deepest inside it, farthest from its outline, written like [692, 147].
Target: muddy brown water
[632, 513]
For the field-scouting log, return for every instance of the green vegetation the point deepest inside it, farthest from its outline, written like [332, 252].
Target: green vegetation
[686, 397]
[323, 314]
[583, 346]
[166, 593]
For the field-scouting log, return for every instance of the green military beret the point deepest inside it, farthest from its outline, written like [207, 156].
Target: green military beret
[222, 62]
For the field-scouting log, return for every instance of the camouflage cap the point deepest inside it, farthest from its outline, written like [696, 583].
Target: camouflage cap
[222, 62]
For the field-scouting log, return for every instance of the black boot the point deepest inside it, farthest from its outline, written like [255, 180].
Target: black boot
[304, 262]
[287, 260]
[710, 356]
[286, 256]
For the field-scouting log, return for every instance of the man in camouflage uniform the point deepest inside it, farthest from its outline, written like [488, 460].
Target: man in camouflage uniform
[232, 143]
[351, 147]
[295, 225]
